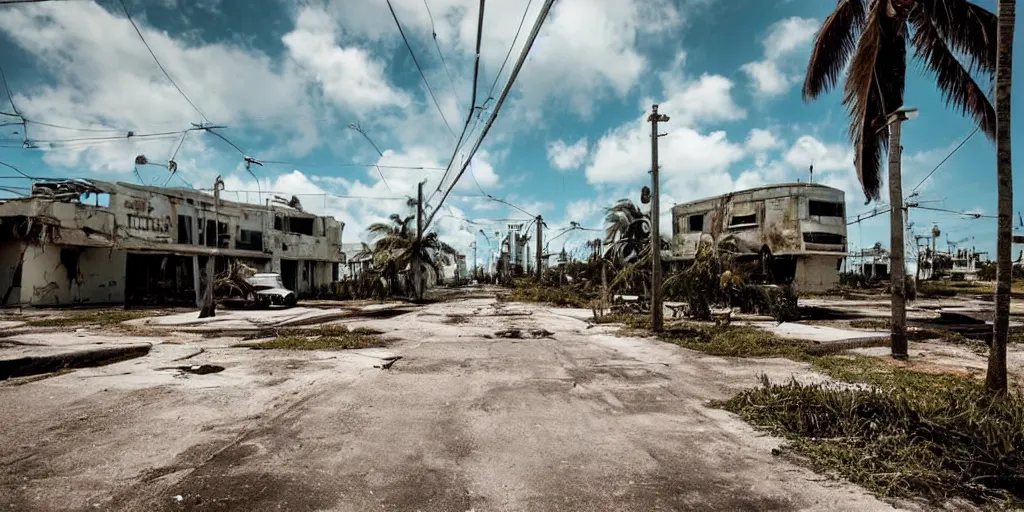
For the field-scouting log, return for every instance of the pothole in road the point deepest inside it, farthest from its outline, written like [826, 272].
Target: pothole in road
[515, 333]
[201, 369]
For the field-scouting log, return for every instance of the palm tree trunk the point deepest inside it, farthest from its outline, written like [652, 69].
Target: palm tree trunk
[995, 380]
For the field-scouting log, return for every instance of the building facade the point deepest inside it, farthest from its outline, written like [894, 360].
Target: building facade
[796, 232]
[78, 242]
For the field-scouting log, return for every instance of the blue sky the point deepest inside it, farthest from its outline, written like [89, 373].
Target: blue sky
[287, 78]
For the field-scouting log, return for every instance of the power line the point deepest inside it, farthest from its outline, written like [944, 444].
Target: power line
[501, 100]
[968, 214]
[419, 68]
[161, 66]
[433, 33]
[97, 130]
[510, 48]
[328, 166]
[5, 164]
[951, 153]
[472, 101]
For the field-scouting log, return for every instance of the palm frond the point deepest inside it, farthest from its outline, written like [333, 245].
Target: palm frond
[835, 43]
[956, 83]
[968, 29]
[874, 89]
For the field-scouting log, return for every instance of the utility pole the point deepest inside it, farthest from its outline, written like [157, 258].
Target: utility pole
[417, 267]
[473, 245]
[540, 236]
[896, 251]
[209, 304]
[657, 315]
[604, 273]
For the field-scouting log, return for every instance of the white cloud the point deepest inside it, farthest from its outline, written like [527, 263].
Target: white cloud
[586, 49]
[566, 157]
[103, 77]
[777, 71]
[688, 101]
[350, 76]
[762, 140]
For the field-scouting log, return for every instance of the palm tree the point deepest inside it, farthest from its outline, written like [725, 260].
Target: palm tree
[627, 232]
[872, 37]
[395, 249]
[995, 379]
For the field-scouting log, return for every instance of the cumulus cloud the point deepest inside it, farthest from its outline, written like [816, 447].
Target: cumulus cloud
[778, 70]
[565, 157]
[349, 76]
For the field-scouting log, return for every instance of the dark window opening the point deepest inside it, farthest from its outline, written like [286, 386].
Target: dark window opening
[824, 238]
[825, 209]
[213, 231]
[249, 240]
[184, 229]
[697, 223]
[743, 220]
[300, 225]
[278, 223]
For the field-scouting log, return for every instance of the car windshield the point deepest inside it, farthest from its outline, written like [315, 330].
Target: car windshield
[265, 281]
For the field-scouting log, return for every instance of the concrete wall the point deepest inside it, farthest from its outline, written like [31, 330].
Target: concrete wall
[816, 274]
[10, 258]
[78, 276]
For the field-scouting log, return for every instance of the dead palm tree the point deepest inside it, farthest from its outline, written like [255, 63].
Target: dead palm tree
[872, 36]
[627, 231]
[995, 379]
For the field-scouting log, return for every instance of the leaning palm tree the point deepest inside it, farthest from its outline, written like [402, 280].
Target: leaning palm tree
[995, 380]
[871, 37]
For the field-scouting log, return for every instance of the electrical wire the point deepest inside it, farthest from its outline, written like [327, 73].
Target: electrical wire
[62, 127]
[328, 166]
[19, 171]
[968, 214]
[951, 153]
[161, 66]
[419, 68]
[501, 100]
[472, 101]
[511, 47]
[433, 33]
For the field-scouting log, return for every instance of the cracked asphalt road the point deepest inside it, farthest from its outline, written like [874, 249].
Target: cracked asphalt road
[578, 420]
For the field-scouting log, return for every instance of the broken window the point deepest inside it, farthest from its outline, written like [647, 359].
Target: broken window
[213, 231]
[824, 238]
[697, 223]
[300, 225]
[825, 209]
[278, 223]
[95, 199]
[185, 229]
[743, 220]
[249, 240]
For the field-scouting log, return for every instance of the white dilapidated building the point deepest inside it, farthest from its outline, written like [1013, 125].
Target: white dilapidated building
[77, 242]
[795, 231]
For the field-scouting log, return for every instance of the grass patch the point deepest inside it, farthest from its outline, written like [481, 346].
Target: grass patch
[906, 434]
[631, 320]
[883, 324]
[104, 318]
[735, 341]
[334, 337]
[571, 296]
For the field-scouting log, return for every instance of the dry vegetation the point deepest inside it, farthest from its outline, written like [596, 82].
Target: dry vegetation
[904, 434]
[334, 337]
[102, 318]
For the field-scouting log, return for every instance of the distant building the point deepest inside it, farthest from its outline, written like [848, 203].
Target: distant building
[796, 231]
[92, 242]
